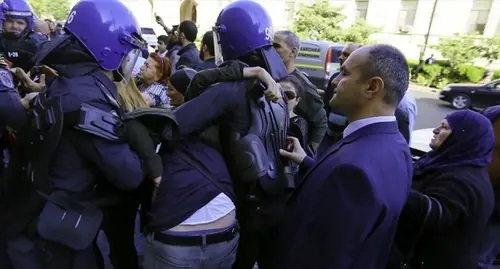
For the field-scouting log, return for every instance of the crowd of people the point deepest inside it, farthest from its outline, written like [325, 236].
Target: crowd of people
[224, 155]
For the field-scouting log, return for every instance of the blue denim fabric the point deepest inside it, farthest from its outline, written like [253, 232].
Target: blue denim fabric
[214, 256]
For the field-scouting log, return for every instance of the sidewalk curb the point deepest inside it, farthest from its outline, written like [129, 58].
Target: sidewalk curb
[428, 90]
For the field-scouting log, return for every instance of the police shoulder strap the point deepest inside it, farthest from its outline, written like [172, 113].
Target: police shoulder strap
[104, 83]
[202, 170]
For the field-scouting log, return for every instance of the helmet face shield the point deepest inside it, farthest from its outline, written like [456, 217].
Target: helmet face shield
[217, 47]
[242, 27]
[128, 64]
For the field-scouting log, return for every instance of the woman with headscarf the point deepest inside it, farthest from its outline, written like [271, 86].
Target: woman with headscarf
[451, 199]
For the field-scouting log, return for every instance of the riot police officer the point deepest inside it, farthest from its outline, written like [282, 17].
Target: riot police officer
[73, 148]
[252, 129]
[18, 41]
[13, 115]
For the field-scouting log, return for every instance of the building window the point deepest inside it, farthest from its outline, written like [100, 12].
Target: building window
[361, 9]
[290, 11]
[407, 12]
[479, 16]
[406, 16]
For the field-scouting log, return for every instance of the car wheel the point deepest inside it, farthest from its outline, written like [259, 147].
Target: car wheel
[460, 101]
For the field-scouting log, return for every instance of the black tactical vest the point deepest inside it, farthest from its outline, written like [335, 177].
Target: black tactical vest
[19, 51]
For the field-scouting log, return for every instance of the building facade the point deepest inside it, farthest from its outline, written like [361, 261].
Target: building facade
[403, 23]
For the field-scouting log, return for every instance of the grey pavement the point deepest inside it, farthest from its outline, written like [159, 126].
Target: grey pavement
[431, 110]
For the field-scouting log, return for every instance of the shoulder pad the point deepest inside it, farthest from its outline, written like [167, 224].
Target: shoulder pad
[155, 119]
[94, 121]
[6, 79]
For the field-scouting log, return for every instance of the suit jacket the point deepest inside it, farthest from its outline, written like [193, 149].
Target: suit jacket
[345, 212]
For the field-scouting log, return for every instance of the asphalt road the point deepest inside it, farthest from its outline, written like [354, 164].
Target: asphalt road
[431, 110]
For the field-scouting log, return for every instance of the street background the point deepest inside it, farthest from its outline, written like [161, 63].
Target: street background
[431, 110]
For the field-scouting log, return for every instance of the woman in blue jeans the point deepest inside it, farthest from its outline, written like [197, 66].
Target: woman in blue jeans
[192, 221]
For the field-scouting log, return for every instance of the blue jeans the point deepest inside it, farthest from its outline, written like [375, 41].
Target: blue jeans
[490, 246]
[214, 256]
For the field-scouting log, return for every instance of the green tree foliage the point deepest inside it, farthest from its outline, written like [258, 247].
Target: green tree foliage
[359, 33]
[489, 48]
[322, 21]
[57, 9]
[319, 21]
[458, 49]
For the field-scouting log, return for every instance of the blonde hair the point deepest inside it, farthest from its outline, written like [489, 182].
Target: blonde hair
[129, 96]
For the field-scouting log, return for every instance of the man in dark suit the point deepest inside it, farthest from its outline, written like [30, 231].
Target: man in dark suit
[345, 212]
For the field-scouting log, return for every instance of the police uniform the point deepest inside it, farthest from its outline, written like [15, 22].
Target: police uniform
[252, 129]
[70, 151]
[83, 158]
[12, 114]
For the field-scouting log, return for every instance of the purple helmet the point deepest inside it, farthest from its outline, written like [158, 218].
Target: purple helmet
[243, 27]
[109, 31]
[3, 8]
[19, 9]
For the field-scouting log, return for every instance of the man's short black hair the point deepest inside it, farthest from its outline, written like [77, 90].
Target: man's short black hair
[163, 38]
[189, 29]
[388, 63]
[208, 40]
[174, 28]
[295, 83]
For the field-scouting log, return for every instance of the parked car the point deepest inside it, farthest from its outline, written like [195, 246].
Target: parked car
[319, 60]
[464, 96]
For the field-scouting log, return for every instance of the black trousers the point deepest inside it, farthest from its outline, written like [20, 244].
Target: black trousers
[38, 253]
[4, 258]
[259, 236]
[119, 227]
[257, 246]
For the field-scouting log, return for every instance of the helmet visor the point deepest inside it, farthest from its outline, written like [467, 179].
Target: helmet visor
[128, 64]
[217, 47]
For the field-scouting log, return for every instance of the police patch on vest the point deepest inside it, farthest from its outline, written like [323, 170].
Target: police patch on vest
[6, 78]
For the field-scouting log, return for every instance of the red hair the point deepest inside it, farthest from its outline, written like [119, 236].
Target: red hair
[164, 67]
